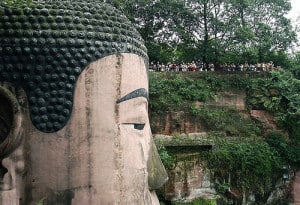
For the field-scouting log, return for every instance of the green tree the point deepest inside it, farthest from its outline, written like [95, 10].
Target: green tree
[250, 167]
[212, 30]
[259, 24]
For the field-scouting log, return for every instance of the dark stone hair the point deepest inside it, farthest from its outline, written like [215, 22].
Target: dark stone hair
[45, 45]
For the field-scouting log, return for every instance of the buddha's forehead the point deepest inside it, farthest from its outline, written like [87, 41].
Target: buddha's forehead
[45, 45]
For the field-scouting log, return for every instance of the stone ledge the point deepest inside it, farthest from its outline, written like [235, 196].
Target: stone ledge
[184, 140]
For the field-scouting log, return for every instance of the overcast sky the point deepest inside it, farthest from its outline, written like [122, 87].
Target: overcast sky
[293, 15]
[295, 12]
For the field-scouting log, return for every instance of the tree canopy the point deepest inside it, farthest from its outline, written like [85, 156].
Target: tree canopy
[212, 30]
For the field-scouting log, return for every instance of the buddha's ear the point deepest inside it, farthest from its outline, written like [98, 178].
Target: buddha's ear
[11, 121]
[157, 174]
[3, 171]
[11, 135]
[6, 179]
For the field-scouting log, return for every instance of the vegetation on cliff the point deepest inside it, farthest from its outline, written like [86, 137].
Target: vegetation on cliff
[249, 159]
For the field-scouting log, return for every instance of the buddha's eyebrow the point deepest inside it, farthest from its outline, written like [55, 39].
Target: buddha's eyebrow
[141, 92]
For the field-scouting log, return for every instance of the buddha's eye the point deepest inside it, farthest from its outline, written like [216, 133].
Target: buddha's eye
[136, 126]
[139, 126]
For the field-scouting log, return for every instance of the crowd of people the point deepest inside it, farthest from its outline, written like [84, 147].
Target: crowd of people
[200, 66]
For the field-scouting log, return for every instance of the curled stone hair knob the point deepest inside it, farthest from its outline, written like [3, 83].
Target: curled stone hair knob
[59, 19]
[41, 19]
[60, 101]
[61, 118]
[76, 20]
[43, 110]
[36, 50]
[44, 25]
[44, 118]
[39, 93]
[70, 26]
[49, 125]
[53, 12]
[50, 19]
[36, 119]
[68, 104]
[17, 25]
[36, 11]
[65, 112]
[53, 117]
[42, 126]
[44, 12]
[67, 19]
[15, 77]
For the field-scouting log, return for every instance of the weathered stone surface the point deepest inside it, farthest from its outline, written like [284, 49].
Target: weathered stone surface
[157, 175]
[45, 45]
[231, 98]
[191, 139]
[174, 123]
[188, 180]
[266, 118]
[100, 156]
[295, 189]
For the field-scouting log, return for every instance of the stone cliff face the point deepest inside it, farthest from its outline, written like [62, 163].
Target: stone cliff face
[172, 123]
[187, 178]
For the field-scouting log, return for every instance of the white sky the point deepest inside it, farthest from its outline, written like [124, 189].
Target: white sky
[293, 15]
[295, 12]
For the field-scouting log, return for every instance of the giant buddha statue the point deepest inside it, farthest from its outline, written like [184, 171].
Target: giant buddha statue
[74, 125]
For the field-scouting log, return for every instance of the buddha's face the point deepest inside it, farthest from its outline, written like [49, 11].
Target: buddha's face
[103, 155]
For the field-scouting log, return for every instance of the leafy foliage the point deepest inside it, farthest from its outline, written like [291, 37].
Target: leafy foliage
[167, 159]
[172, 91]
[229, 121]
[279, 95]
[247, 166]
[228, 31]
[290, 154]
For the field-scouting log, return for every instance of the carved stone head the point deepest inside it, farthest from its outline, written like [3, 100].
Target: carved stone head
[74, 125]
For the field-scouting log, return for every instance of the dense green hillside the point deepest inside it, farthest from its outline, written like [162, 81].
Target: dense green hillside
[249, 158]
